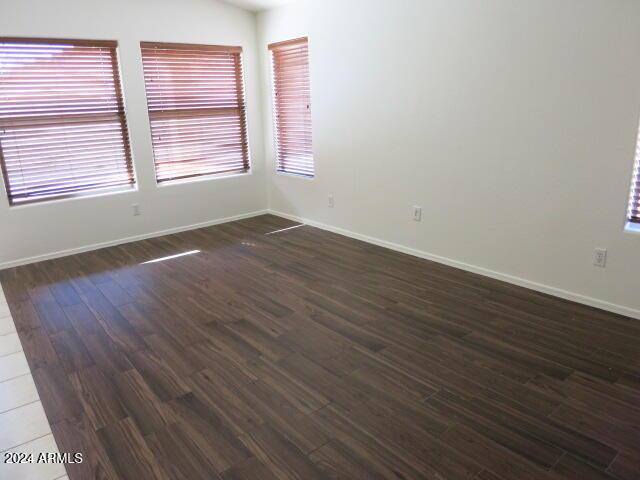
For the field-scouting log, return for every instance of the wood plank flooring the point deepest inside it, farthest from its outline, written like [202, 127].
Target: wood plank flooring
[271, 352]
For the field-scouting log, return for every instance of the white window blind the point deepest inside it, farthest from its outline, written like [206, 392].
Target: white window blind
[63, 130]
[197, 110]
[292, 106]
[634, 201]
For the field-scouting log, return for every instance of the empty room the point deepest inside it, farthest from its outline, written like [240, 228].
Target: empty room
[319, 239]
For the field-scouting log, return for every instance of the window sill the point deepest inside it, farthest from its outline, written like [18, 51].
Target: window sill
[295, 175]
[631, 227]
[204, 178]
[72, 198]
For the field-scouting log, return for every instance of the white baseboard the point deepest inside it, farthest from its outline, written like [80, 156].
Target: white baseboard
[522, 282]
[557, 292]
[135, 238]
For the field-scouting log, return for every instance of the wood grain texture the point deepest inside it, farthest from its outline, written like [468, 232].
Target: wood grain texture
[306, 355]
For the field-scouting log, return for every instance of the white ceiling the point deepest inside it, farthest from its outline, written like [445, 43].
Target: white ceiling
[257, 5]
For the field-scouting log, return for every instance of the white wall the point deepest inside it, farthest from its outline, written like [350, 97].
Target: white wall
[511, 122]
[40, 229]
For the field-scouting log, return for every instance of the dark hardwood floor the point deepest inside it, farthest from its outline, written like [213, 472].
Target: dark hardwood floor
[302, 354]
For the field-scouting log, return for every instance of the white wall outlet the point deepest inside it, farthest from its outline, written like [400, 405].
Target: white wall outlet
[330, 202]
[136, 209]
[600, 257]
[417, 213]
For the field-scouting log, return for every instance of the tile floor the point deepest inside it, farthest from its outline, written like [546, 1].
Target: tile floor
[23, 425]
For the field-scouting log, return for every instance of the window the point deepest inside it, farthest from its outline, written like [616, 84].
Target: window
[634, 202]
[292, 106]
[63, 130]
[196, 106]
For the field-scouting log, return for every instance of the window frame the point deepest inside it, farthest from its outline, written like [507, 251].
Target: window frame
[248, 164]
[274, 107]
[132, 185]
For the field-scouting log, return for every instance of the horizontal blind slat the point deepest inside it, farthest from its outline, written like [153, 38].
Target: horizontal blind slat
[195, 98]
[633, 212]
[292, 107]
[63, 127]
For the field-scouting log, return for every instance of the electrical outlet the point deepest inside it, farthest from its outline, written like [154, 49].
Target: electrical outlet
[136, 209]
[330, 202]
[417, 213]
[600, 257]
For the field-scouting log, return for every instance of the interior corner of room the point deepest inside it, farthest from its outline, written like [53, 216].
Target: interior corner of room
[518, 151]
